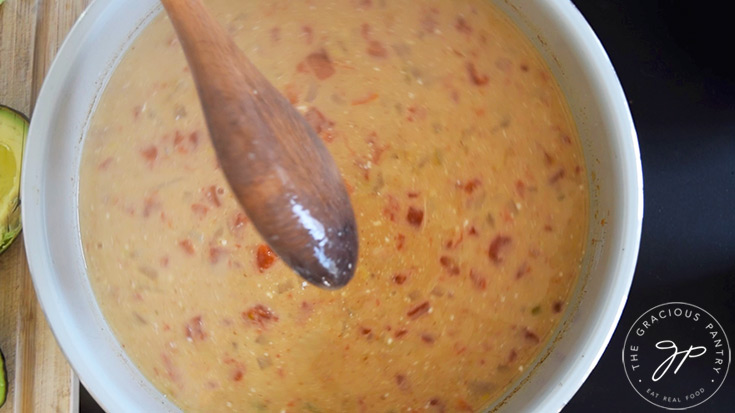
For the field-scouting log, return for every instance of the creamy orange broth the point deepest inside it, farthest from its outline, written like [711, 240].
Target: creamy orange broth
[466, 177]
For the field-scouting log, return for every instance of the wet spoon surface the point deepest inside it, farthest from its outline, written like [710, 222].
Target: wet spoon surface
[277, 166]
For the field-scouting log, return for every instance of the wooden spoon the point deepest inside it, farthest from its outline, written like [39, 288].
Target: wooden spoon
[277, 166]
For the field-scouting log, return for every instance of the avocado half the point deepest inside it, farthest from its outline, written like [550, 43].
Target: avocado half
[13, 132]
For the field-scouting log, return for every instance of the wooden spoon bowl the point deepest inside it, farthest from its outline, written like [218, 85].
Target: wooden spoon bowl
[277, 166]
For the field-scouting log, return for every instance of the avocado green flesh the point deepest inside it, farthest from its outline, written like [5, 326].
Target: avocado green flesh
[3, 380]
[13, 131]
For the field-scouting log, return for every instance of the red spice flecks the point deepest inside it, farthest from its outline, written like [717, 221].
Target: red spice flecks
[276, 34]
[215, 254]
[454, 94]
[428, 338]
[557, 307]
[419, 310]
[178, 141]
[137, 110]
[321, 124]
[548, 159]
[150, 203]
[238, 368]
[452, 243]
[366, 332]
[400, 333]
[259, 315]
[364, 99]
[521, 188]
[350, 189]
[199, 210]
[104, 164]
[512, 356]
[463, 405]
[472, 231]
[237, 374]
[523, 270]
[266, 257]
[400, 241]
[478, 280]
[307, 33]
[211, 194]
[450, 265]
[498, 248]
[238, 222]
[302, 67]
[462, 26]
[524, 67]
[402, 382]
[415, 216]
[320, 64]
[391, 208]
[557, 176]
[416, 113]
[531, 336]
[172, 371]
[183, 144]
[292, 93]
[400, 278]
[413, 194]
[437, 405]
[476, 77]
[376, 150]
[149, 153]
[187, 246]
[376, 49]
[194, 329]
[469, 186]
[306, 308]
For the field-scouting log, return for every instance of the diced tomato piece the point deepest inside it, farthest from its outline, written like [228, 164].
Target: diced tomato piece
[266, 257]
[320, 64]
[415, 216]
[376, 49]
[419, 310]
[259, 315]
[476, 77]
[187, 246]
[149, 153]
[497, 248]
[194, 329]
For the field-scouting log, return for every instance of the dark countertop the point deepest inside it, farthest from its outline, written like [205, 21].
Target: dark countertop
[674, 60]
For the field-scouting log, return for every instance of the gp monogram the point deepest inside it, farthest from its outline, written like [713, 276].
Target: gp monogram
[676, 356]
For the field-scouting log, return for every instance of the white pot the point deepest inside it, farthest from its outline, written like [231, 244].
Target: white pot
[51, 223]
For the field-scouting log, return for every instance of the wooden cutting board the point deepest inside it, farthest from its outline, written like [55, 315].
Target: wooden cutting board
[40, 379]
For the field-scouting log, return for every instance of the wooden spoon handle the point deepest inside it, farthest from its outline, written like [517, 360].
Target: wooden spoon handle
[277, 166]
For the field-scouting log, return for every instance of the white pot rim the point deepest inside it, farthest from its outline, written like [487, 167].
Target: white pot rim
[41, 221]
